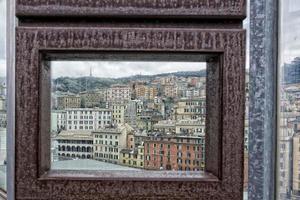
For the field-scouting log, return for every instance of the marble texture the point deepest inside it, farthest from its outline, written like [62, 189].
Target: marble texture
[122, 8]
[30, 116]
[262, 115]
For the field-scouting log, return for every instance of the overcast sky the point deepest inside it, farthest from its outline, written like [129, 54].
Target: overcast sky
[118, 69]
[290, 31]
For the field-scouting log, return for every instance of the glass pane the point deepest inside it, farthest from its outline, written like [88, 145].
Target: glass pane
[2, 96]
[128, 115]
[289, 91]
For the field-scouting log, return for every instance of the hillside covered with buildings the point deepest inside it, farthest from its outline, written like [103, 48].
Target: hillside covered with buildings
[149, 122]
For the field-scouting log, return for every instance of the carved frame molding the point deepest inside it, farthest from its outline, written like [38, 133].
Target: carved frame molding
[224, 149]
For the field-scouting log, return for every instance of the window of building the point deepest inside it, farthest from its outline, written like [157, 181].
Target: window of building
[288, 93]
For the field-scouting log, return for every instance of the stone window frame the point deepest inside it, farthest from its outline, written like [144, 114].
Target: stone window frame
[226, 178]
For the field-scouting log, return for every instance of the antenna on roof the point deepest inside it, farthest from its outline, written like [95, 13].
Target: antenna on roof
[91, 72]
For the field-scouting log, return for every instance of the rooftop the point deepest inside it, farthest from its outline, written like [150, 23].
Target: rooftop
[75, 135]
[87, 164]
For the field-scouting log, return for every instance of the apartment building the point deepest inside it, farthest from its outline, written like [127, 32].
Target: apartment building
[132, 157]
[190, 126]
[2, 103]
[58, 120]
[168, 80]
[94, 98]
[165, 126]
[145, 92]
[194, 108]
[170, 91]
[174, 153]
[141, 91]
[296, 167]
[88, 118]
[182, 87]
[3, 89]
[192, 92]
[119, 93]
[74, 144]
[3, 119]
[108, 142]
[153, 92]
[118, 112]
[68, 101]
[132, 111]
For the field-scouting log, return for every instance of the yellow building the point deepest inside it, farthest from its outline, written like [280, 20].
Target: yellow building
[118, 114]
[119, 93]
[93, 98]
[190, 108]
[153, 92]
[68, 101]
[170, 91]
[132, 157]
[108, 142]
[146, 91]
[140, 91]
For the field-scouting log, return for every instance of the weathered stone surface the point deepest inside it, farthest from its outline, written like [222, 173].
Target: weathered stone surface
[147, 8]
[263, 99]
[228, 44]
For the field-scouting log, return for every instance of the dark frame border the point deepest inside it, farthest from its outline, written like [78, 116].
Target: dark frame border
[234, 9]
[228, 166]
[213, 113]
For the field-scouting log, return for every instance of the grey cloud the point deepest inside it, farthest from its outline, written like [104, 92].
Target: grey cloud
[119, 69]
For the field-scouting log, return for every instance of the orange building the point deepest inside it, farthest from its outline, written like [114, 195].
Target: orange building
[174, 153]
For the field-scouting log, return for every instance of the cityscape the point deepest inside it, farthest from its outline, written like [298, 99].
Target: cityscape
[289, 131]
[151, 122]
[3, 125]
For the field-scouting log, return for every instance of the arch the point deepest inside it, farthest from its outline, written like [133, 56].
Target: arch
[73, 155]
[68, 155]
[89, 149]
[63, 154]
[88, 156]
[63, 148]
[78, 149]
[83, 149]
[68, 148]
[83, 156]
[73, 148]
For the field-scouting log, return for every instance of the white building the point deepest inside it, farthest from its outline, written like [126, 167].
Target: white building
[190, 126]
[285, 169]
[2, 103]
[58, 120]
[74, 144]
[133, 110]
[108, 143]
[2, 145]
[3, 89]
[118, 93]
[3, 119]
[88, 118]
